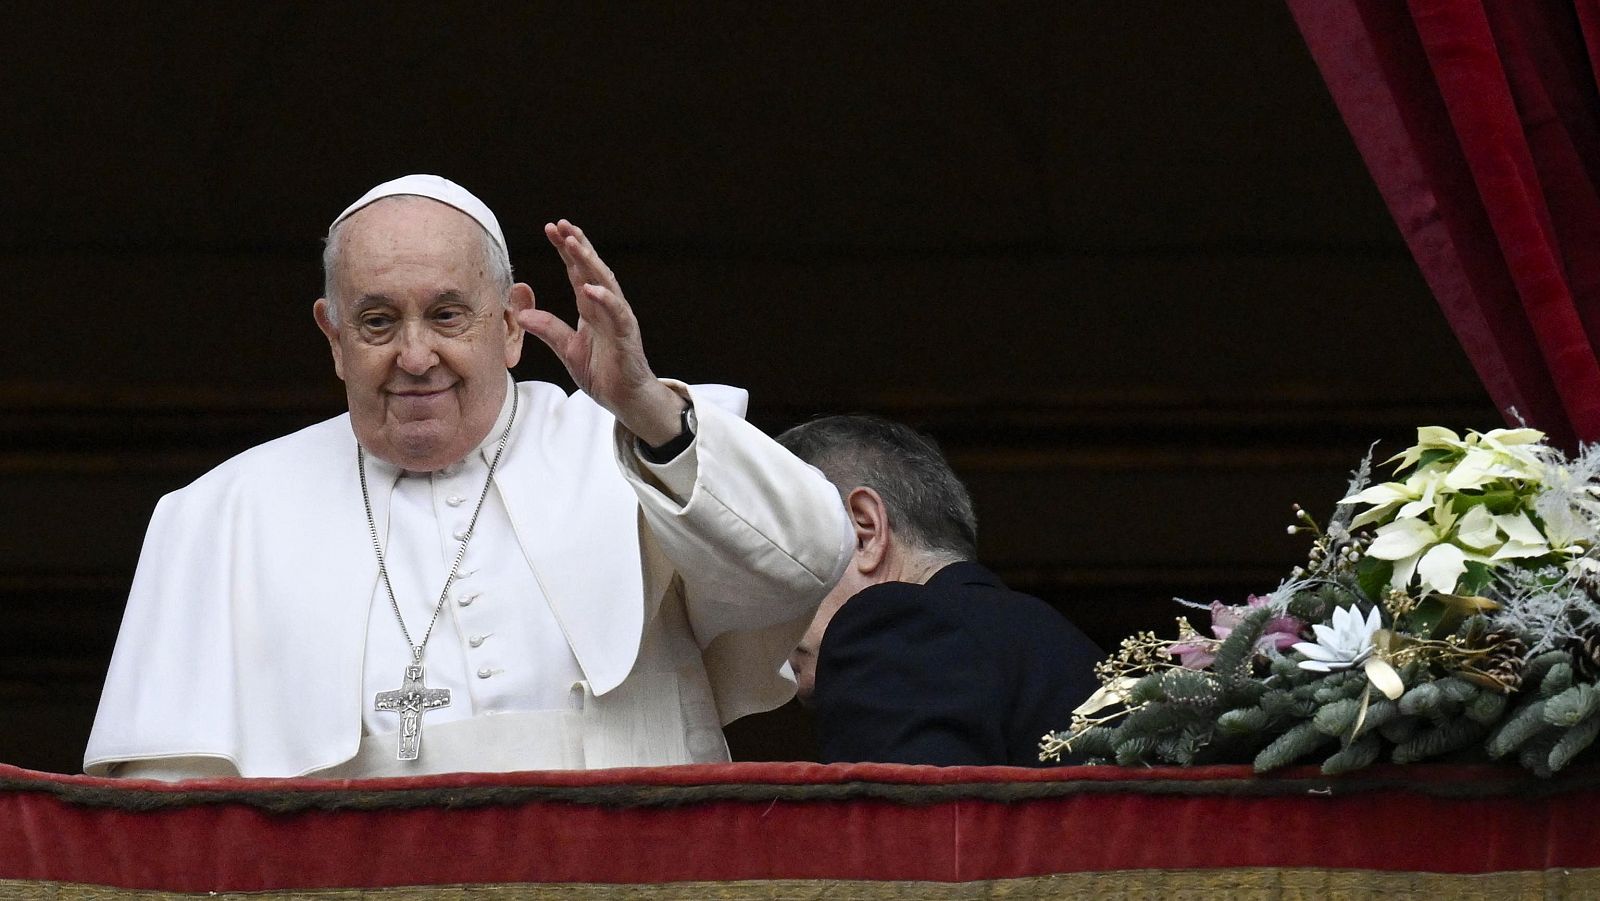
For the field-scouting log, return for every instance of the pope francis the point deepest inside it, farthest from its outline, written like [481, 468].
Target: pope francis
[463, 572]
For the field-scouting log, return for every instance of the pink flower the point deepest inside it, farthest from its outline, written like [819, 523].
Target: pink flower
[1197, 653]
[1280, 633]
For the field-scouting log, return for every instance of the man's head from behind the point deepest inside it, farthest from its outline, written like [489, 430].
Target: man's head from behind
[418, 309]
[910, 513]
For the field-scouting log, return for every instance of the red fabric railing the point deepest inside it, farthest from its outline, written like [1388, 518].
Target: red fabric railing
[768, 822]
[1480, 122]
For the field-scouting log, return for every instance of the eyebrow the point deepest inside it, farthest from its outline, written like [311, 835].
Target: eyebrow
[368, 301]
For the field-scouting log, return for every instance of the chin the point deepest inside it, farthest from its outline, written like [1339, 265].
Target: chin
[426, 446]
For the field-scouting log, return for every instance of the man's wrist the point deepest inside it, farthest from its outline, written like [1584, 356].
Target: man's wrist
[669, 450]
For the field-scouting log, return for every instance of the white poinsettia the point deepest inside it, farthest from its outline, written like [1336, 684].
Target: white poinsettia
[1419, 547]
[1513, 450]
[1404, 499]
[1471, 464]
[1345, 644]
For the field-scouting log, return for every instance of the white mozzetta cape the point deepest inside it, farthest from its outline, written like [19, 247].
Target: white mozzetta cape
[244, 634]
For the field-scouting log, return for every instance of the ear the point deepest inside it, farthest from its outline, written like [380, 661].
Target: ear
[322, 311]
[870, 520]
[521, 300]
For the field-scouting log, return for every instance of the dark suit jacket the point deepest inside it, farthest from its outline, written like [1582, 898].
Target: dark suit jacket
[961, 670]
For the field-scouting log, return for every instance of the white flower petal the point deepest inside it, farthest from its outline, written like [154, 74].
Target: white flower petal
[1431, 436]
[1327, 636]
[1371, 516]
[1472, 472]
[1519, 528]
[1414, 509]
[1318, 652]
[1515, 436]
[1403, 570]
[1441, 567]
[1374, 622]
[1401, 538]
[1516, 550]
[1388, 492]
[1478, 529]
[1317, 666]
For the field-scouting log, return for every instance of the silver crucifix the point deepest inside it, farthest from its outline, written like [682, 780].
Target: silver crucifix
[411, 700]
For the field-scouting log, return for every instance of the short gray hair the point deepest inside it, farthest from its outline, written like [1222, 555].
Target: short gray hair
[496, 262]
[928, 506]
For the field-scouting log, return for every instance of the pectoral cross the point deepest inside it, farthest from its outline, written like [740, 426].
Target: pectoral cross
[411, 700]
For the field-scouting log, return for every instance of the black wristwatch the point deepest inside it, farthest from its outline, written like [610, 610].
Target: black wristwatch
[668, 452]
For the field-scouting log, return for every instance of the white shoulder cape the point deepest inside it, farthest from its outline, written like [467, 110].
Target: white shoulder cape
[244, 632]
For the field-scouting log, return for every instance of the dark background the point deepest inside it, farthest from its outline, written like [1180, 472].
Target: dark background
[1121, 258]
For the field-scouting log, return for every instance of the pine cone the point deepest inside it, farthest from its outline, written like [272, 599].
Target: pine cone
[1504, 661]
[1585, 649]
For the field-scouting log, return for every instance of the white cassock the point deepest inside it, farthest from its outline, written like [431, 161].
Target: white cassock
[608, 612]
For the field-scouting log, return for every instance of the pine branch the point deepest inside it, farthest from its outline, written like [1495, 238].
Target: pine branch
[1300, 740]
[1359, 753]
[1573, 742]
[1572, 706]
[1487, 707]
[1401, 728]
[1244, 721]
[1517, 729]
[1452, 735]
[1232, 664]
[1558, 680]
[1380, 712]
[1336, 717]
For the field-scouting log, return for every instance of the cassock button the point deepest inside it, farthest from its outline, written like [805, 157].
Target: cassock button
[461, 534]
[466, 600]
[455, 500]
[485, 673]
[477, 640]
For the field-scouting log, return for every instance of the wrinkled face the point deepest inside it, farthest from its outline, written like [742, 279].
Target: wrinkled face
[803, 659]
[419, 334]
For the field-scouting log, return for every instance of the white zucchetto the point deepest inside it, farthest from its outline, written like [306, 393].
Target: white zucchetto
[432, 187]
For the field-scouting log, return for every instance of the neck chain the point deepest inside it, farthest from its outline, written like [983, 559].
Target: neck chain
[413, 697]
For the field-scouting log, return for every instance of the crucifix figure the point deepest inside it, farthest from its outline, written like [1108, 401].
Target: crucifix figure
[411, 700]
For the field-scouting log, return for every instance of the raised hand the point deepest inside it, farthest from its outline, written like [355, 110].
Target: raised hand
[604, 354]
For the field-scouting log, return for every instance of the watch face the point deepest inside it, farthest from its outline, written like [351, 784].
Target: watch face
[691, 424]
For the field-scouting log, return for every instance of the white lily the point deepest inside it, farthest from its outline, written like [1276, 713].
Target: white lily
[1344, 644]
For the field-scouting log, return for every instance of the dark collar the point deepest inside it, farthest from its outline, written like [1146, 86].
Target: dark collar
[966, 573]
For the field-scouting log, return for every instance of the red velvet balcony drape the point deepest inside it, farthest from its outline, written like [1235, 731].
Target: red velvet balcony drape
[1480, 122]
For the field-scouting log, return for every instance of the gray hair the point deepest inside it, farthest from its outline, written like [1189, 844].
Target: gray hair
[928, 506]
[496, 262]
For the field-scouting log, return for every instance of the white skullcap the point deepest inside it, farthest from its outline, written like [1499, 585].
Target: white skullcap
[434, 188]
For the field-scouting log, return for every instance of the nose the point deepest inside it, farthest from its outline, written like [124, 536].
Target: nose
[416, 351]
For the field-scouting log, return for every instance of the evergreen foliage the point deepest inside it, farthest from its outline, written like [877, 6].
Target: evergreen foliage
[1502, 659]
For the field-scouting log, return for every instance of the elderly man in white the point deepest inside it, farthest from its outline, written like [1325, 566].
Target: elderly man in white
[466, 573]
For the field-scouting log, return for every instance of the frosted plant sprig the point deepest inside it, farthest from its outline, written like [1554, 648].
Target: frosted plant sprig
[1548, 605]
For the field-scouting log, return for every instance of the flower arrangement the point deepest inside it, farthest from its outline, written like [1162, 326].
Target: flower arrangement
[1450, 611]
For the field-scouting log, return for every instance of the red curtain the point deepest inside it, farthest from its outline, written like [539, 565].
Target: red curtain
[1480, 123]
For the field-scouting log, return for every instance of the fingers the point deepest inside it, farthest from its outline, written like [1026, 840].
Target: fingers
[584, 266]
[556, 335]
[605, 311]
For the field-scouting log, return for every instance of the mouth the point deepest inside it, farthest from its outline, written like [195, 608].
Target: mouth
[419, 392]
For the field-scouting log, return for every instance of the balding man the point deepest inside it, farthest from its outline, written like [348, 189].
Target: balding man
[919, 654]
[463, 572]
